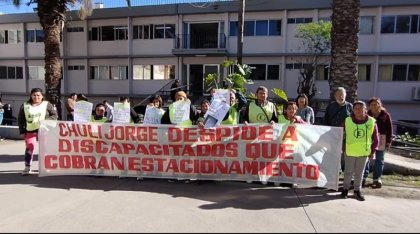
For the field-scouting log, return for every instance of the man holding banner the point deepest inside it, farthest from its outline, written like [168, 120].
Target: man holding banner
[261, 110]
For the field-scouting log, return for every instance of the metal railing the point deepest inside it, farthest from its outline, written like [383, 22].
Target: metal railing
[200, 41]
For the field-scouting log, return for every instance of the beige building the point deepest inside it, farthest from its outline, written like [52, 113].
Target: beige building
[136, 51]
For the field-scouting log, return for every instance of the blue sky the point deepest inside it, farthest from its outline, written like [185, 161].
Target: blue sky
[7, 8]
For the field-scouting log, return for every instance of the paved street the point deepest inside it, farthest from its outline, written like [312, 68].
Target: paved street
[108, 204]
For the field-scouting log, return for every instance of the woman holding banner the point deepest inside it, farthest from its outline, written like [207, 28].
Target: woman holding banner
[30, 115]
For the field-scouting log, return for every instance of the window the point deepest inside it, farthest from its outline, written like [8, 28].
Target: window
[403, 24]
[388, 24]
[163, 72]
[366, 25]
[414, 72]
[274, 28]
[164, 31]
[258, 71]
[299, 20]
[363, 72]
[121, 32]
[249, 28]
[10, 36]
[153, 72]
[414, 24]
[399, 72]
[233, 30]
[261, 28]
[142, 72]
[11, 73]
[385, 72]
[76, 68]
[3, 72]
[36, 72]
[322, 72]
[119, 72]
[109, 72]
[75, 29]
[273, 72]
[257, 28]
[35, 35]
[400, 24]
[108, 33]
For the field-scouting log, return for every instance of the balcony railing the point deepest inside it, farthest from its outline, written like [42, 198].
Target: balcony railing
[200, 41]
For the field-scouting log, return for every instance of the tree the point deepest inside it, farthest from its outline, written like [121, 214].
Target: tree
[316, 41]
[52, 17]
[344, 44]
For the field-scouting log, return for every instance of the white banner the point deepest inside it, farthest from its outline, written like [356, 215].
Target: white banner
[308, 155]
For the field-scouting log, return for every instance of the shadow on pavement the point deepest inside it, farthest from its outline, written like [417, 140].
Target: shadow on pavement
[220, 194]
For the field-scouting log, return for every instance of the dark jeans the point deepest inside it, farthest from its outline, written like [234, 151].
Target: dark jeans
[378, 166]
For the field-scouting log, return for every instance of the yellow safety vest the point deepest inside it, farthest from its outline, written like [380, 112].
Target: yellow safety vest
[232, 118]
[283, 119]
[359, 137]
[257, 115]
[34, 114]
[102, 120]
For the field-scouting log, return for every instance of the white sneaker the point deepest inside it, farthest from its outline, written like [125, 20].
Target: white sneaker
[139, 178]
[26, 171]
[294, 185]
[249, 181]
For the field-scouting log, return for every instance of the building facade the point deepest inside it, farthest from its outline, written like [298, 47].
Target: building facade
[136, 51]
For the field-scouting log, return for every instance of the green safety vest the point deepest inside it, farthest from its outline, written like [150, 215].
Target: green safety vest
[257, 115]
[232, 118]
[34, 114]
[359, 137]
[283, 119]
[102, 120]
[185, 123]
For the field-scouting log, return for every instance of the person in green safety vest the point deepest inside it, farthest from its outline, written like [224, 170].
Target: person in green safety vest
[30, 114]
[360, 144]
[99, 116]
[260, 110]
[167, 118]
[237, 101]
[290, 114]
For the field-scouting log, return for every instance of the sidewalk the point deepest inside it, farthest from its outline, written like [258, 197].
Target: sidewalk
[108, 204]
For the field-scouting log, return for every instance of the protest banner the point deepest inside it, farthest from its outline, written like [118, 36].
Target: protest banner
[305, 154]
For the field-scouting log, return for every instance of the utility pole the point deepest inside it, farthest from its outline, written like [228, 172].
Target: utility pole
[241, 14]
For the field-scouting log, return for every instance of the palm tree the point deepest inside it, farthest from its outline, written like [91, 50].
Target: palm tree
[344, 44]
[52, 16]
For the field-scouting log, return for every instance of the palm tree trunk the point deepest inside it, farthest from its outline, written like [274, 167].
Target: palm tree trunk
[52, 18]
[344, 45]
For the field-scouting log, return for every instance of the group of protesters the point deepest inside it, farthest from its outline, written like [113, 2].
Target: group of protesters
[367, 134]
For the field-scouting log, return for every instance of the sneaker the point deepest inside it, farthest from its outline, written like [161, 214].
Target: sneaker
[139, 178]
[344, 193]
[377, 183]
[171, 181]
[359, 195]
[26, 171]
[249, 181]
[264, 182]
